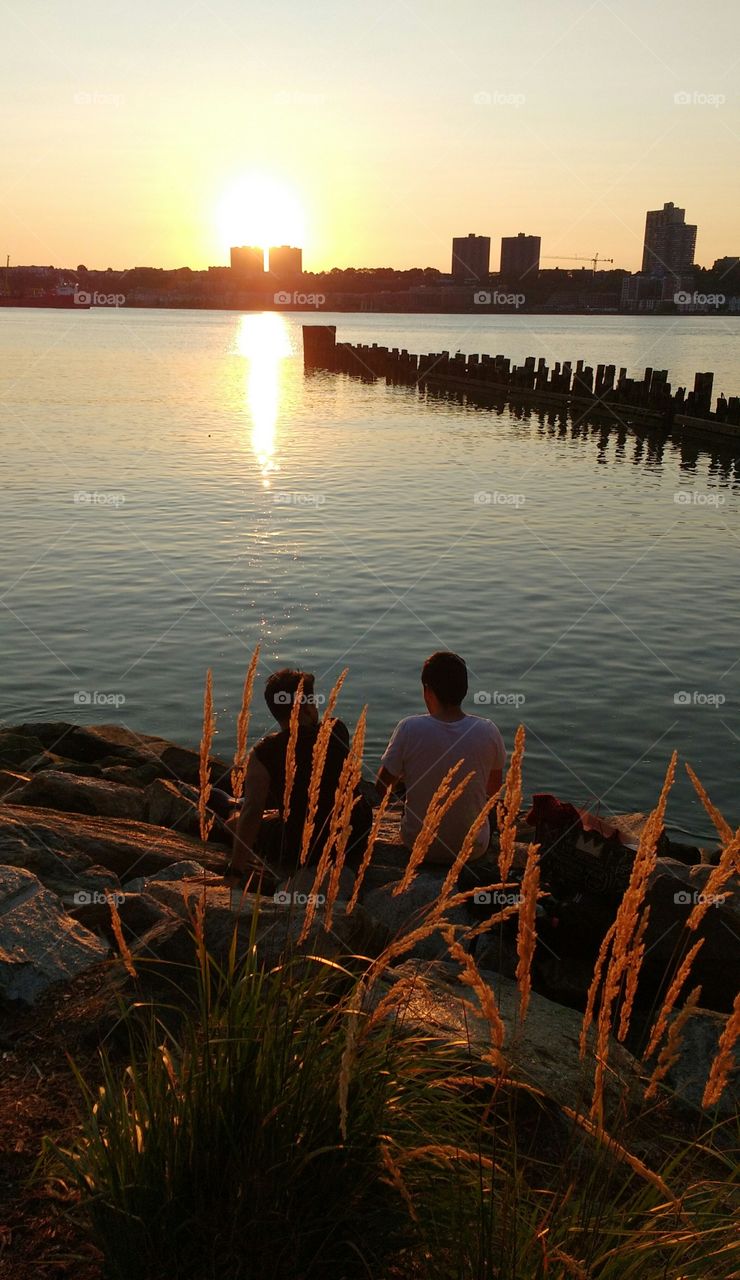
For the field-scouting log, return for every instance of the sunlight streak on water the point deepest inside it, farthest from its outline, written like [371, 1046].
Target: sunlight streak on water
[264, 343]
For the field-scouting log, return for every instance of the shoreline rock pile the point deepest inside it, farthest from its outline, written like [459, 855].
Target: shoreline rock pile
[94, 813]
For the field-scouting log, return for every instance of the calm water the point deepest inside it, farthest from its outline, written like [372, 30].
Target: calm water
[175, 489]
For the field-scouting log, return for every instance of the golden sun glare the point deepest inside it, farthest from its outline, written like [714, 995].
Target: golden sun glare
[260, 210]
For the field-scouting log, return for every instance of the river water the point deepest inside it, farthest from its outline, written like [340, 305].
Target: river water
[175, 489]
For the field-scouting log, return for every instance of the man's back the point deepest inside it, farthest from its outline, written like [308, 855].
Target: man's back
[421, 751]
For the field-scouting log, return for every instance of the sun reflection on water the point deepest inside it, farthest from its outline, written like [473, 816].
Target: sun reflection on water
[264, 342]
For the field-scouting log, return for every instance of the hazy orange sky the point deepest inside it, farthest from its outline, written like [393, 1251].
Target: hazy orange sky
[378, 131]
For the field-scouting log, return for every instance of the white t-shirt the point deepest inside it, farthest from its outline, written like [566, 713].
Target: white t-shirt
[421, 752]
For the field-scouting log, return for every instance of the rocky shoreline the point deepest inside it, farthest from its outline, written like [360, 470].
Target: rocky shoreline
[94, 813]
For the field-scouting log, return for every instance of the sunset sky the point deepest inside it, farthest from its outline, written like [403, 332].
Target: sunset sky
[135, 131]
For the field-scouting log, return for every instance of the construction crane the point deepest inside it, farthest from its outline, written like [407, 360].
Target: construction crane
[594, 261]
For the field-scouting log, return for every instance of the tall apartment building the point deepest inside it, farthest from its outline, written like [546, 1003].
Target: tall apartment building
[248, 260]
[520, 258]
[285, 262]
[670, 242]
[471, 256]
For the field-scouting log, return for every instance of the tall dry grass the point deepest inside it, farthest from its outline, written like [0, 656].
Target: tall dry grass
[205, 818]
[239, 766]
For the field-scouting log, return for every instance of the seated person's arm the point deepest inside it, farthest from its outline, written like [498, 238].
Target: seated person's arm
[256, 790]
[385, 781]
[494, 782]
[391, 769]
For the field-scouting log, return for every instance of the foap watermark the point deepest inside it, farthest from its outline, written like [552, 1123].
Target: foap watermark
[685, 299]
[497, 898]
[99, 498]
[96, 299]
[285, 899]
[286, 699]
[98, 698]
[298, 498]
[284, 298]
[92, 98]
[692, 898]
[498, 98]
[495, 498]
[695, 98]
[697, 498]
[695, 698]
[495, 298]
[497, 698]
[97, 897]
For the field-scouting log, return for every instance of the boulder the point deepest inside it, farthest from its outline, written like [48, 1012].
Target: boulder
[400, 915]
[67, 793]
[113, 744]
[277, 927]
[138, 913]
[697, 1051]
[187, 870]
[40, 945]
[61, 848]
[69, 766]
[134, 775]
[542, 1051]
[166, 806]
[11, 781]
[671, 896]
[17, 746]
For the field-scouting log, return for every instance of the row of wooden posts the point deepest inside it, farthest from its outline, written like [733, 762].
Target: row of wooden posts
[648, 397]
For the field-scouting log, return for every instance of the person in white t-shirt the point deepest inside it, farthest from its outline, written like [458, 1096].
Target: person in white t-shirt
[423, 748]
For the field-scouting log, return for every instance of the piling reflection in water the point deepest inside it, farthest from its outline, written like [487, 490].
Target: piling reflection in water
[264, 342]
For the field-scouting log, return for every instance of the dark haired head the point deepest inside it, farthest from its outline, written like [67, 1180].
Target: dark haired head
[281, 689]
[446, 675]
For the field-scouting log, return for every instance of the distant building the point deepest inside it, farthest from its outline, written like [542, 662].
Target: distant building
[641, 292]
[670, 242]
[285, 262]
[723, 265]
[471, 257]
[248, 260]
[520, 258]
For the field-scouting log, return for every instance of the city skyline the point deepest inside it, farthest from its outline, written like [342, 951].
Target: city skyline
[487, 117]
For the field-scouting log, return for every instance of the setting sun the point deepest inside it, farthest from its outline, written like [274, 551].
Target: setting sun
[259, 210]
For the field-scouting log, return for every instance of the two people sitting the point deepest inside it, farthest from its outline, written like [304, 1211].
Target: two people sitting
[422, 749]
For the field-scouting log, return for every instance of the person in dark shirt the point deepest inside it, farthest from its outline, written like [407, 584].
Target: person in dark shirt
[260, 839]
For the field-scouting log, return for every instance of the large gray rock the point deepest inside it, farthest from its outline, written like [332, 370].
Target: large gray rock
[697, 1051]
[408, 911]
[543, 1051]
[61, 848]
[671, 896]
[40, 945]
[187, 870]
[69, 793]
[112, 744]
[17, 746]
[166, 806]
[11, 781]
[277, 926]
[138, 913]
